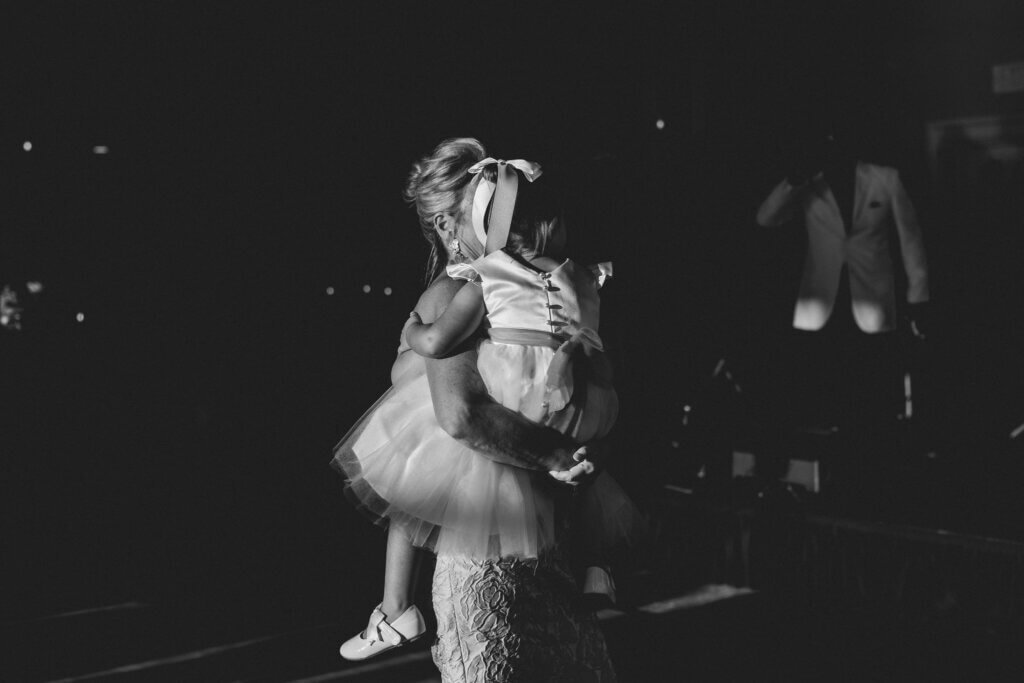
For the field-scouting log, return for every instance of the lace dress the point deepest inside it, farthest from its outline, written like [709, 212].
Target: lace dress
[515, 621]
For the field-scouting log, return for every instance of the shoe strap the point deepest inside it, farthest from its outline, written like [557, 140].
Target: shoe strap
[380, 629]
[387, 633]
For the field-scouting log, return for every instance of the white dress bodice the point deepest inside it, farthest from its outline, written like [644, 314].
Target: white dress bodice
[518, 296]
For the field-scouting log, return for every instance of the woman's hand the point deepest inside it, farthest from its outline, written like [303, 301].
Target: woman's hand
[597, 452]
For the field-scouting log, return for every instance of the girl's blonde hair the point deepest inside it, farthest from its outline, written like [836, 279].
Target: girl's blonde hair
[539, 210]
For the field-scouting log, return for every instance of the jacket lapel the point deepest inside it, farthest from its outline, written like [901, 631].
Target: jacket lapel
[861, 192]
[833, 218]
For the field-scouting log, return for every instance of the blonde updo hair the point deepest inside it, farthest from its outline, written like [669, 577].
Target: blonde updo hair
[436, 185]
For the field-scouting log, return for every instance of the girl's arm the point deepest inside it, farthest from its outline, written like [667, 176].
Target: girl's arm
[460, 319]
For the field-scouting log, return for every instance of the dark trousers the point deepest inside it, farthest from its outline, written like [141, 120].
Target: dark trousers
[838, 376]
[842, 378]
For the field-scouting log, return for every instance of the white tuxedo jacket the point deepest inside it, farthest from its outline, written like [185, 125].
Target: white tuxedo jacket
[879, 201]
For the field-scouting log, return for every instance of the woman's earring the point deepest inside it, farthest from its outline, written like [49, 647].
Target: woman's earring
[456, 248]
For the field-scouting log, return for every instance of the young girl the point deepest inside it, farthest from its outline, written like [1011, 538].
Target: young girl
[543, 359]
[542, 310]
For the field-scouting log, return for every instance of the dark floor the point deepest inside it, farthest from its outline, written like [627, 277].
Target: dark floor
[230, 554]
[752, 637]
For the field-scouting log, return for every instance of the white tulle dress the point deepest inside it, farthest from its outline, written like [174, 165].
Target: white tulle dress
[402, 468]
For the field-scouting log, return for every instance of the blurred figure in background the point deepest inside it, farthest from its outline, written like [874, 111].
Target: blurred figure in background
[842, 363]
[846, 305]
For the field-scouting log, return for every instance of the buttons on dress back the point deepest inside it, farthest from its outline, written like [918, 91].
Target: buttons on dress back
[548, 287]
[546, 277]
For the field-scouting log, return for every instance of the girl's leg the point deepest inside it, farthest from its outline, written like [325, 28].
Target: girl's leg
[398, 624]
[401, 569]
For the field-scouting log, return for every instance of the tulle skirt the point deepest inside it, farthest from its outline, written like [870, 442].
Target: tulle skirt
[403, 469]
[606, 523]
[607, 520]
[516, 377]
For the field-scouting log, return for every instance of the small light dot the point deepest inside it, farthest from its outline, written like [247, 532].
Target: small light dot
[27, 145]
[675, 444]
[34, 287]
[387, 291]
[659, 124]
[330, 291]
[100, 149]
[80, 317]
[366, 289]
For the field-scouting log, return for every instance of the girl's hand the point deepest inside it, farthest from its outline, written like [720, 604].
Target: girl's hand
[411, 324]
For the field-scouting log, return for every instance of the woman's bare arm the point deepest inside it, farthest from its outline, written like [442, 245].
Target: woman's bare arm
[467, 412]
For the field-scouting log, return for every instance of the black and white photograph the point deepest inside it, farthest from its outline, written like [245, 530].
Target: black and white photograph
[381, 341]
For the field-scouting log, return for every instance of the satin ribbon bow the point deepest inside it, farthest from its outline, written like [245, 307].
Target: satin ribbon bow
[504, 193]
[530, 169]
[559, 379]
[462, 271]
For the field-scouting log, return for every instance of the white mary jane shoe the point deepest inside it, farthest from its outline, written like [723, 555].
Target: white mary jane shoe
[380, 636]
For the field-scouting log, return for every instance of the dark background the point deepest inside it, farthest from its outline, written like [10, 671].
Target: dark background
[174, 444]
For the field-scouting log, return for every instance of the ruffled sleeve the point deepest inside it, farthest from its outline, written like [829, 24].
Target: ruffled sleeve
[602, 271]
[463, 271]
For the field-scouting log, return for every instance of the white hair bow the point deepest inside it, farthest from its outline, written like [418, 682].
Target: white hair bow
[530, 169]
[504, 203]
